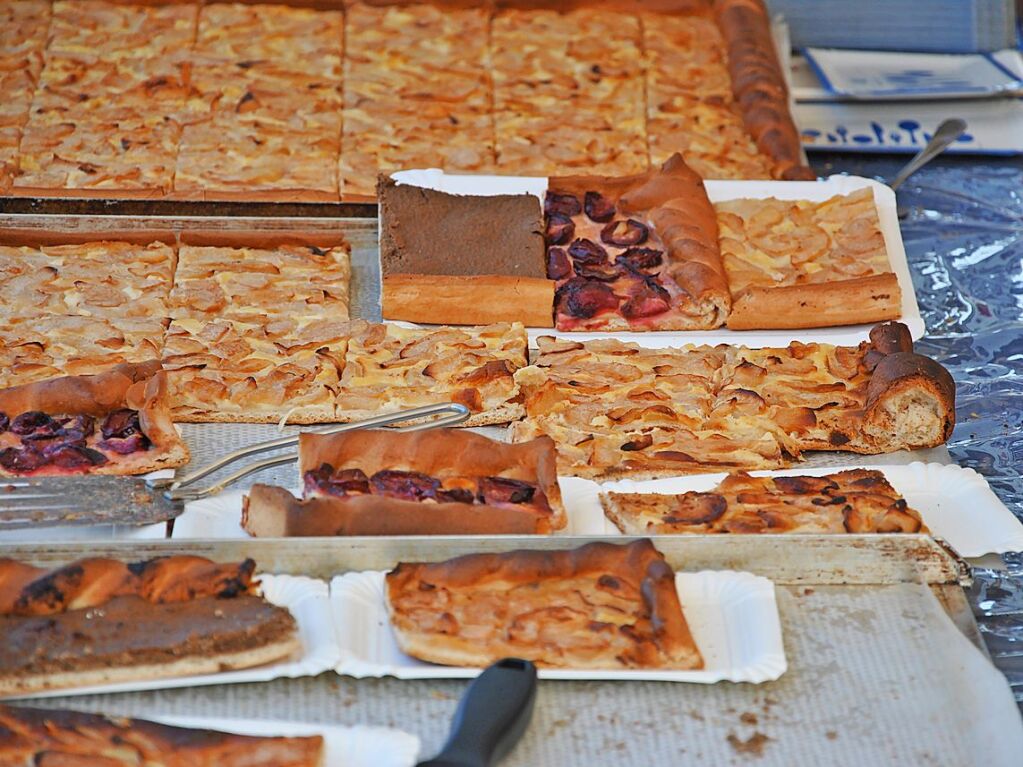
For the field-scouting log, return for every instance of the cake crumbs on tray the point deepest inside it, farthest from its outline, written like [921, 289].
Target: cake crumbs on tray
[754, 745]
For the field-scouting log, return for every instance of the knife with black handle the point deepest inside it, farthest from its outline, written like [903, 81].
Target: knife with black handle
[491, 717]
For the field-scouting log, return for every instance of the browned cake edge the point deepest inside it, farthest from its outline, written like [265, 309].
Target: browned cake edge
[34, 732]
[759, 86]
[660, 595]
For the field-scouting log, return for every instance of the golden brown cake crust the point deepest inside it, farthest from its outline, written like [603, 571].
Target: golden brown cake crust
[545, 606]
[758, 85]
[617, 410]
[30, 736]
[853, 501]
[101, 621]
[474, 300]
[91, 395]
[453, 454]
[273, 512]
[135, 386]
[822, 305]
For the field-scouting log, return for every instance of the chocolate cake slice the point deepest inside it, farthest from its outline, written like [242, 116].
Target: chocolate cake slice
[423, 231]
[129, 638]
[462, 260]
[100, 621]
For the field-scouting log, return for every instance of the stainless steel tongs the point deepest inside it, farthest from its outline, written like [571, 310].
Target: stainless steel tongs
[447, 414]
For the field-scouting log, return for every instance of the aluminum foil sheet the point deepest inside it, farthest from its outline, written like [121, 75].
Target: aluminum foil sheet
[964, 238]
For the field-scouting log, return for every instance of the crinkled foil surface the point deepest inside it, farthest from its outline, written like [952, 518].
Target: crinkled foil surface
[964, 238]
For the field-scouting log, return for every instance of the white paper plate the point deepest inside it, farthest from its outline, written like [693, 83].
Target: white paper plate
[219, 516]
[718, 191]
[901, 76]
[307, 600]
[806, 87]
[357, 746]
[995, 126]
[955, 503]
[733, 618]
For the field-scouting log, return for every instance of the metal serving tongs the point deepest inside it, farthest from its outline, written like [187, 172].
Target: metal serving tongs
[447, 414]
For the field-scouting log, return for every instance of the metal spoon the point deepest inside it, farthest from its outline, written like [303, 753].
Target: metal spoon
[947, 132]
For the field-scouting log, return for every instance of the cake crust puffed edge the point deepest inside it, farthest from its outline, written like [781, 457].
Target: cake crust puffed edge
[273, 512]
[828, 304]
[657, 587]
[910, 403]
[138, 386]
[441, 452]
[32, 728]
[674, 200]
[911, 398]
[482, 299]
[758, 85]
[899, 377]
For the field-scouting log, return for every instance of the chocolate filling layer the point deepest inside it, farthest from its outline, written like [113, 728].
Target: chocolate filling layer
[429, 232]
[128, 631]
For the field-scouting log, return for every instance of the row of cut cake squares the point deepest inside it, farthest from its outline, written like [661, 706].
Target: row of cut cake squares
[239, 109]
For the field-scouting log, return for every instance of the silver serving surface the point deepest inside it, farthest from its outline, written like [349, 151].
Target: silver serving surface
[875, 676]
[27, 502]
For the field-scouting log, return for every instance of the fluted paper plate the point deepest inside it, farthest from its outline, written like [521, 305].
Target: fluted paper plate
[955, 503]
[718, 191]
[733, 617]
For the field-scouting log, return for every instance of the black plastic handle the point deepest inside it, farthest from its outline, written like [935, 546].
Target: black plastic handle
[491, 717]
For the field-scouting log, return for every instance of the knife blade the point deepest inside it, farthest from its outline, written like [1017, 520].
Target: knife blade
[491, 717]
[81, 500]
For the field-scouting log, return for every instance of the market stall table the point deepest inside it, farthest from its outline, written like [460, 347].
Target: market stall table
[858, 655]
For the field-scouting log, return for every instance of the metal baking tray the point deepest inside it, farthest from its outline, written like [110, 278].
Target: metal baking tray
[788, 559]
[295, 203]
[360, 233]
[805, 559]
[858, 626]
